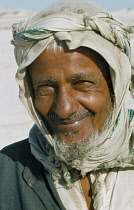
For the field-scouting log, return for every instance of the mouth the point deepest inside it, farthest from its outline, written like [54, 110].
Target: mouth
[71, 121]
[70, 125]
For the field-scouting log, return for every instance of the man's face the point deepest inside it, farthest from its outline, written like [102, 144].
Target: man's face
[71, 93]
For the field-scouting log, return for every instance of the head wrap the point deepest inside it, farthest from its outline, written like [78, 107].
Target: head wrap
[80, 23]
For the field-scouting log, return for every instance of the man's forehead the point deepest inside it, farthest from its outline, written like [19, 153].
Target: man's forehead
[81, 63]
[60, 48]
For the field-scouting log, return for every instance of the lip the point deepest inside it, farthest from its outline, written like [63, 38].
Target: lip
[71, 125]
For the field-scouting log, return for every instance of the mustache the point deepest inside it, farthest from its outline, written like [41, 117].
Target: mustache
[76, 116]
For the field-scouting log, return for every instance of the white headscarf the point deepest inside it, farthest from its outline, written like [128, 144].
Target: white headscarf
[80, 23]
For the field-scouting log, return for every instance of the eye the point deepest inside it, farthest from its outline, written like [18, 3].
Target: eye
[83, 85]
[44, 90]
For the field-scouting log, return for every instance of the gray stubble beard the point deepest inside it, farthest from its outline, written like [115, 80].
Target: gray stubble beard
[78, 151]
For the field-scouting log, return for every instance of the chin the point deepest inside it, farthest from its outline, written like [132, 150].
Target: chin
[71, 137]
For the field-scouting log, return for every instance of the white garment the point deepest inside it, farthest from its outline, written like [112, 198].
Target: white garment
[72, 199]
[112, 190]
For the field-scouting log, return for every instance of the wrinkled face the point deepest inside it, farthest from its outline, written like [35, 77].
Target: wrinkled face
[71, 92]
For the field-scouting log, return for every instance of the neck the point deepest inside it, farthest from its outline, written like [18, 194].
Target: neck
[86, 188]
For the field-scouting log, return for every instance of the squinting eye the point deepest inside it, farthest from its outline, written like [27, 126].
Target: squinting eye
[83, 85]
[44, 90]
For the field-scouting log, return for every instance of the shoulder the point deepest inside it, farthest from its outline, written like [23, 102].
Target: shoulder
[16, 145]
[17, 152]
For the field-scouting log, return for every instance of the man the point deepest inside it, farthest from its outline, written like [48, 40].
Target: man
[75, 80]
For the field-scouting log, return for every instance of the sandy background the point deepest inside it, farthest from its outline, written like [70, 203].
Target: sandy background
[15, 122]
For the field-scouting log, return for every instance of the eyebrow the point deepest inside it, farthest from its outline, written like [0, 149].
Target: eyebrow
[70, 79]
[44, 80]
[81, 76]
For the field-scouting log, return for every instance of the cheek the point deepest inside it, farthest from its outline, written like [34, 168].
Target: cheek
[95, 101]
[100, 106]
[43, 105]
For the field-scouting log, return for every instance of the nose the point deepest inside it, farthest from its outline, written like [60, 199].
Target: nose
[65, 103]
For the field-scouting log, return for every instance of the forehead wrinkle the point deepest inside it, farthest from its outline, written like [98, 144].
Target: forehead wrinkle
[44, 80]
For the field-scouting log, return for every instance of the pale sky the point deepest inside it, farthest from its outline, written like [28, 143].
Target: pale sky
[36, 5]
